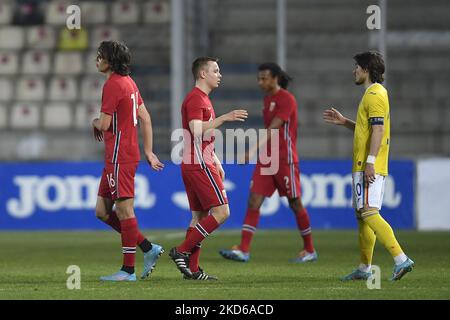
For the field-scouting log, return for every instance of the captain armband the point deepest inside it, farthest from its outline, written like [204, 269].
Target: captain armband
[376, 121]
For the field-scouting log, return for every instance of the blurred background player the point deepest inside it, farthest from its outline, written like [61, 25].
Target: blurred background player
[280, 112]
[122, 106]
[201, 170]
[370, 165]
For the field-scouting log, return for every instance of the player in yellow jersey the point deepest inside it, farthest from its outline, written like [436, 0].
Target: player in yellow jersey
[370, 165]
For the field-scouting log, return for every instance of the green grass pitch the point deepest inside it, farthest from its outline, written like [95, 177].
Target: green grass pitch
[33, 266]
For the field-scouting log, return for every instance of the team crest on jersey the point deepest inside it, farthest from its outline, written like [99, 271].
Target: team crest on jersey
[272, 106]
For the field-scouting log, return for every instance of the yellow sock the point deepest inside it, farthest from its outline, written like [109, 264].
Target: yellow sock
[383, 231]
[367, 240]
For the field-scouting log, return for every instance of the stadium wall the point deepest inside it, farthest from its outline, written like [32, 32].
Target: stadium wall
[62, 196]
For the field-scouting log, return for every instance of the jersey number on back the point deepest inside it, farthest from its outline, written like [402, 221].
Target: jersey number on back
[134, 98]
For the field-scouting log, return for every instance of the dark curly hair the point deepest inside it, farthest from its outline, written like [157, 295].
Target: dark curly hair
[118, 56]
[373, 62]
[276, 71]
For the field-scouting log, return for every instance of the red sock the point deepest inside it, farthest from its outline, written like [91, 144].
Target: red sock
[195, 255]
[248, 228]
[129, 240]
[114, 222]
[305, 229]
[199, 232]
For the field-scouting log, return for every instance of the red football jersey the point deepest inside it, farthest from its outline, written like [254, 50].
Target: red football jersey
[284, 106]
[121, 100]
[197, 106]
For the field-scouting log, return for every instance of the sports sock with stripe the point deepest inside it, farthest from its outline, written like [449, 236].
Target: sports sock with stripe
[195, 254]
[249, 228]
[304, 227]
[129, 239]
[200, 232]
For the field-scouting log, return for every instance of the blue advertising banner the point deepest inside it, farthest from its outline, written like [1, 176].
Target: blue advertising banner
[62, 196]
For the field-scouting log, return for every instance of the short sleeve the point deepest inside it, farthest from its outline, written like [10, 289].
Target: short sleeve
[285, 108]
[110, 98]
[140, 100]
[376, 108]
[194, 109]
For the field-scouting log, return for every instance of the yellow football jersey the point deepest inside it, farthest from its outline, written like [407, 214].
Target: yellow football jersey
[373, 109]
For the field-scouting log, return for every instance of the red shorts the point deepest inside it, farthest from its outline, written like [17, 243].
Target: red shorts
[204, 188]
[286, 181]
[118, 180]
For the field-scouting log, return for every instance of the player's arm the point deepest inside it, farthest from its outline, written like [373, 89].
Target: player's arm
[219, 166]
[100, 125]
[377, 125]
[276, 124]
[335, 117]
[198, 127]
[147, 134]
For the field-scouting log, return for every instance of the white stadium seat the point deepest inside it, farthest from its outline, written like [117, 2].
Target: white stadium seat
[41, 37]
[6, 13]
[6, 89]
[85, 113]
[91, 88]
[90, 63]
[3, 116]
[63, 89]
[157, 11]
[24, 116]
[56, 12]
[30, 89]
[125, 12]
[103, 33]
[69, 63]
[36, 62]
[94, 12]
[57, 116]
[9, 63]
[12, 38]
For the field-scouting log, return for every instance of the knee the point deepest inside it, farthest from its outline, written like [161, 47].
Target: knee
[124, 212]
[296, 205]
[222, 213]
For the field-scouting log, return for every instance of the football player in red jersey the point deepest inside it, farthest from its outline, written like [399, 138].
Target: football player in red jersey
[279, 113]
[122, 107]
[201, 170]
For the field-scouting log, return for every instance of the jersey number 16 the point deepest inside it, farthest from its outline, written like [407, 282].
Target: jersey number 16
[134, 98]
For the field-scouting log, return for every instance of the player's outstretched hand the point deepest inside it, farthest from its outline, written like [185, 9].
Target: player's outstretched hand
[333, 116]
[98, 135]
[237, 115]
[154, 161]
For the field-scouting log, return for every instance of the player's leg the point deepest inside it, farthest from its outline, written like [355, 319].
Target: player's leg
[197, 216]
[386, 236]
[367, 239]
[241, 252]
[308, 254]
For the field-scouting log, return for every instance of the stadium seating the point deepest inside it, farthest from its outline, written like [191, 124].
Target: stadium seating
[85, 113]
[41, 37]
[36, 62]
[25, 116]
[125, 12]
[56, 12]
[103, 33]
[157, 11]
[90, 61]
[68, 63]
[9, 63]
[91, 87]
[57, 116]
[3, 117]
[63, 88]
[31, 88]
[12, 38]
[6, 13]
[6, 89]
[95, 12]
